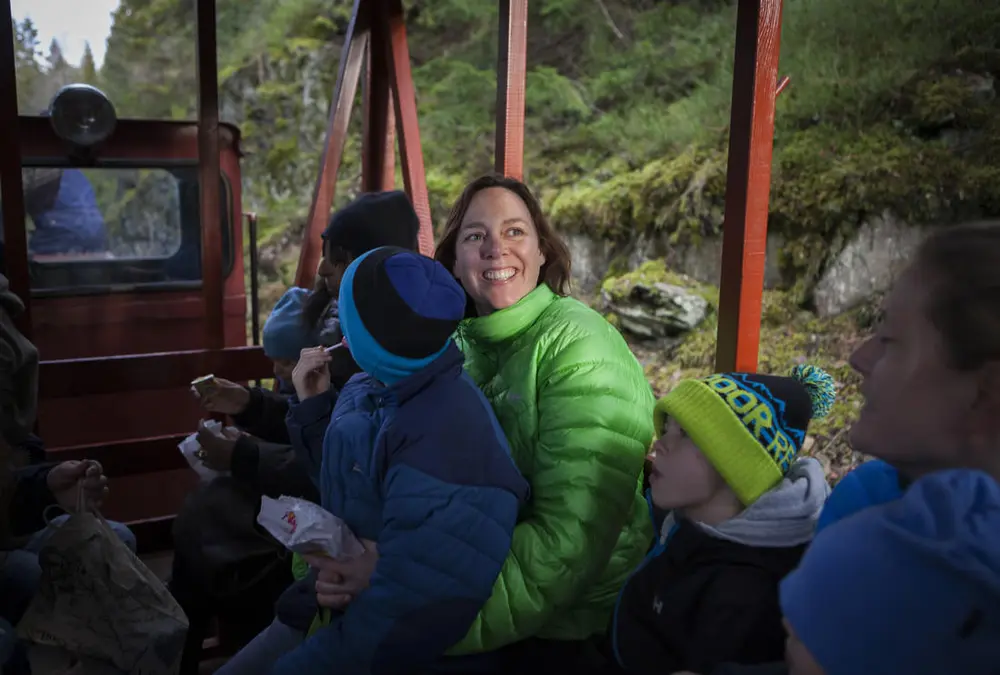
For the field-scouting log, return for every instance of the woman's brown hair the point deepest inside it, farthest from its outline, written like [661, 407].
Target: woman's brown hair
[962, 264]
[555, 271]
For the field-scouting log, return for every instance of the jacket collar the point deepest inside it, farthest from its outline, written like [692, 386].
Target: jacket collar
[448, 364]
[508, 323]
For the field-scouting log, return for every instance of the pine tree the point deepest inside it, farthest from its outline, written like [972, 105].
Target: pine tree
[88, 69]
[26, 64]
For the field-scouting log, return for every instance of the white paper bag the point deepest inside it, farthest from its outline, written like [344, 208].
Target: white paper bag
[304, 527]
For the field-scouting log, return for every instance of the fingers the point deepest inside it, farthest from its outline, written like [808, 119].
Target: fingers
[324, 588]
[338, 602]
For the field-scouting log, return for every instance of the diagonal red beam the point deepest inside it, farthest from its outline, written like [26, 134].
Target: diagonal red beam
[348, 74]
[405, 99]
[748, 184]
[512, 65]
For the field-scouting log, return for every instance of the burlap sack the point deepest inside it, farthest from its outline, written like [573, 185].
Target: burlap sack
[98, 601]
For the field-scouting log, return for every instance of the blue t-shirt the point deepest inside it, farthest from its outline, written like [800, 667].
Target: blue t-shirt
[871, 484]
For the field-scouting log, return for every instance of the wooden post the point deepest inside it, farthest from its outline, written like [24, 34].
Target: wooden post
[11, 184]
[511, 74]
[748, 184]
[410, 154]
[378, 155]
[209, 175]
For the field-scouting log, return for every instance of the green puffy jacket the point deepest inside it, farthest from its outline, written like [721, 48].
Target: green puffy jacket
[578, 414]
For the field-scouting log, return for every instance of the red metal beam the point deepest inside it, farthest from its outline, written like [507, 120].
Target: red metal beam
[208, 158]
[405, 99]
[748, 184]
[11, 186]
[145, 372]
[349, 72]
[512, 65]
[378, 154]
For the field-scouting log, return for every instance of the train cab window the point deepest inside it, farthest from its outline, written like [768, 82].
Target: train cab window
[106, 229]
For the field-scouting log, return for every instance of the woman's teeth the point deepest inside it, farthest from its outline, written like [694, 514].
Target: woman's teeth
[499, 275]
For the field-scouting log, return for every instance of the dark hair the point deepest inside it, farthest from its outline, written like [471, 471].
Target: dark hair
[963, 265]
[556, 269]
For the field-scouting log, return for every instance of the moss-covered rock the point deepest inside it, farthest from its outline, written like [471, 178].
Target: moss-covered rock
[789, 336]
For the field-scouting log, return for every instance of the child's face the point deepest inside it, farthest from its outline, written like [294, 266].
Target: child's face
[283, 369]
[798, 658]
[681, 476]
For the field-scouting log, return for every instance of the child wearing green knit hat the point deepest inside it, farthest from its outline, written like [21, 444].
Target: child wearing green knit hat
[740, 507]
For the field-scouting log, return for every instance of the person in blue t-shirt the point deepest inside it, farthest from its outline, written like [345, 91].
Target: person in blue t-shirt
[931, 372]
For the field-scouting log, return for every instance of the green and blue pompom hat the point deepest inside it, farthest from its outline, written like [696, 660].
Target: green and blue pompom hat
[750, 426]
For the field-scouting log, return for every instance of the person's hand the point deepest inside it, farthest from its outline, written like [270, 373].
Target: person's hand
[311, 376]
[225, 397]
[218, 449]
[340, 581]
[67, 479]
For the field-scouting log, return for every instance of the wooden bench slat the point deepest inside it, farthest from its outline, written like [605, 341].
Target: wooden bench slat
[72, 378]
[127, 458]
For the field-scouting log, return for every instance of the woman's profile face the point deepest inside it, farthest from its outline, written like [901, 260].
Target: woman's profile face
[497, 251]
[331, 270]
[917, 407]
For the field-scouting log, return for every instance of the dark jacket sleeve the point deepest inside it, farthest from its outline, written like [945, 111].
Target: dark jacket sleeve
[264, 416]
[30, 498]
[272, 469]
[440, 551]
[739, 621]
[307, 422]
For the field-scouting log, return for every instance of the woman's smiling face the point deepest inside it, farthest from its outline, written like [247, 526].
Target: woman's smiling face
[497, 253]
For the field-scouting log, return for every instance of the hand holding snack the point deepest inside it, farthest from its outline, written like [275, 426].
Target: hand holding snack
[311, 376]
[221, 396]
[341, 580]
[216, 446]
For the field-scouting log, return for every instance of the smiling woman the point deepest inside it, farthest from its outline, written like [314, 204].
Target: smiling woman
[577, 412]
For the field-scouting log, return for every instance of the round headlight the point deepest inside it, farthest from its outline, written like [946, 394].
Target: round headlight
[82, 115]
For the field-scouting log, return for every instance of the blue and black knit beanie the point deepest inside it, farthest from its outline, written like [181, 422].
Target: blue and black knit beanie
[910, 587]
[374, 219]
[398, 310]
[285, 335]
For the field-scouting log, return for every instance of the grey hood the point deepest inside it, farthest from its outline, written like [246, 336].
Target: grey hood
[784, 516]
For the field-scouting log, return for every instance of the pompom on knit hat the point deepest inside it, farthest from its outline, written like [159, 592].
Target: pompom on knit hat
[749, 426]
[374, 219]
[911, 586]
[398, 310]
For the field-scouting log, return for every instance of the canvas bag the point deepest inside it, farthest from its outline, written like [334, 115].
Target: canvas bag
[98, 601]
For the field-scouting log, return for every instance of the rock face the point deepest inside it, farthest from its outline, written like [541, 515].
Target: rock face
[867, 265]
[651, 307]
[702, 262]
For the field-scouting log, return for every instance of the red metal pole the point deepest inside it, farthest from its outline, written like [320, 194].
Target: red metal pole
[11, 183]
[378, 154]
[209, 175]
[751, 135]
[349, 73]
[404, 96]
[511, 72]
